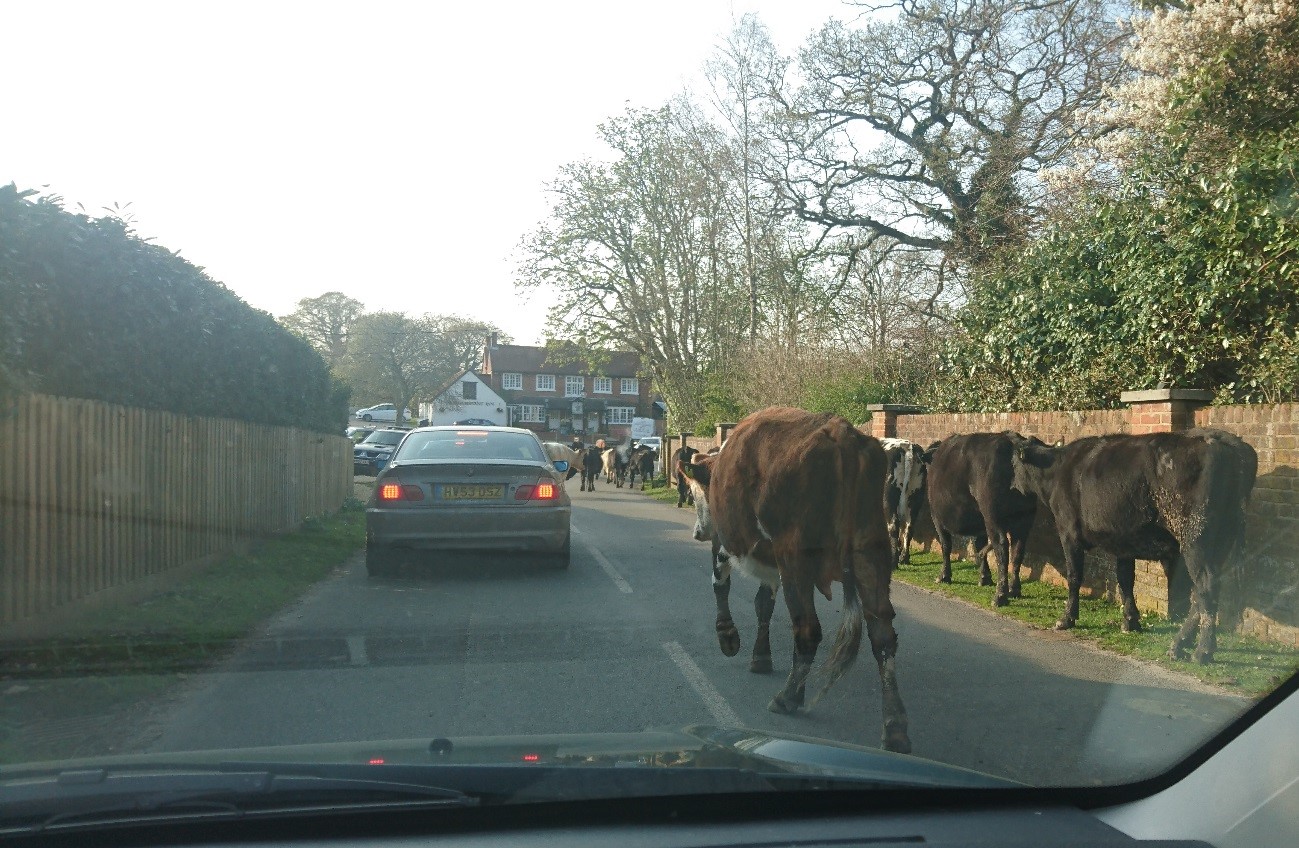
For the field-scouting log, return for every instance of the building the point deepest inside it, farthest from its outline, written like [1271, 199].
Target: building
[558, 395]
[465, 396]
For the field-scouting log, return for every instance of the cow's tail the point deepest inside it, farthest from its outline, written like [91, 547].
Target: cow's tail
[848, 640]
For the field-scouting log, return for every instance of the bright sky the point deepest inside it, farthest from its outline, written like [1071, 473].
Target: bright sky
[396, 152]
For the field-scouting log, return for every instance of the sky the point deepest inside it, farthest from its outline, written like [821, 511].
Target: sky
[394, 151]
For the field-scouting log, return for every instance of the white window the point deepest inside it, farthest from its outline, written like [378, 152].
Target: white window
[574, 386]
[621, 414]
[510, 380]
[528, 414]
[630, 386]
[602, 385]
[545, 382]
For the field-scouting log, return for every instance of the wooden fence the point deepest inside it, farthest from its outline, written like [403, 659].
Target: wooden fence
[95, 495]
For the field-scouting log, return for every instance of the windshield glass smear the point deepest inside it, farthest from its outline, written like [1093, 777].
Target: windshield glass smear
[879, 394]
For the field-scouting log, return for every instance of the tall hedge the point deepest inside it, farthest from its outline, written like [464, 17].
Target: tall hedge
[89, 309]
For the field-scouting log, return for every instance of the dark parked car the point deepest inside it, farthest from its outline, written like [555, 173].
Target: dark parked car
[372, 453]
[480, 489]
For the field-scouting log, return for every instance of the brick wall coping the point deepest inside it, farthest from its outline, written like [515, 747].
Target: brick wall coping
[895, 407]
[1148, 395]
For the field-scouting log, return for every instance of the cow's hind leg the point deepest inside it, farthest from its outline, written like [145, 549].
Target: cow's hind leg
[884, 645]
[981, 549]
[1000, 548]
[807, 636]
[728, 636]
[1203, 612]
[1073, 558]
[944, 545]
[764, 604]
[1125, 570]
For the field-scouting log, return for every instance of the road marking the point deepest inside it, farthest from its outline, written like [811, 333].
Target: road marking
[713, 700]
[356, 652]
[618, 579]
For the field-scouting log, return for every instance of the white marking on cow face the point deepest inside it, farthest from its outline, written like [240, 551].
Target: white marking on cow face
[703, 517]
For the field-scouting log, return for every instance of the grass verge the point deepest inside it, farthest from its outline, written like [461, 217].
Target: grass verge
[1242, 664]
[61, 696]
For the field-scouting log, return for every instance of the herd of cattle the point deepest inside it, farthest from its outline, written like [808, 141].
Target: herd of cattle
[794, 500]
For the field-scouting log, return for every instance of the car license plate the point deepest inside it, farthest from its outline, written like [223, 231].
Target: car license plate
[472, 492]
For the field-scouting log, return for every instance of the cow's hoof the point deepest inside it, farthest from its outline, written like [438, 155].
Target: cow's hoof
[760, 665]
[896, 740]
[728, 639]
[943, 578]
[1132, 626]
[1015, 592]
[1205, 658]
[1064, 624]
[986, 581]
[1000, 600]
[780, 705]
[1176, 653]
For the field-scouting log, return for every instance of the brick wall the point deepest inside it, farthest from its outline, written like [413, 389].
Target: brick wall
[1260, 592]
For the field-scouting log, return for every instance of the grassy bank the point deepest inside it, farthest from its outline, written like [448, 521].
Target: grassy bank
[1242, 664]
[69, 695]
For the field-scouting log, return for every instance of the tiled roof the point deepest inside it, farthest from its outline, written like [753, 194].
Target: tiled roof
[532, 359]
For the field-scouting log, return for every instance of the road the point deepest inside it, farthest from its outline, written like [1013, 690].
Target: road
[623, 641]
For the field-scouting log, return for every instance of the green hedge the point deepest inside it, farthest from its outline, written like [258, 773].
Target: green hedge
[89, 309]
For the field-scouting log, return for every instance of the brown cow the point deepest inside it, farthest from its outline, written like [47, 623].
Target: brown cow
[794, 500]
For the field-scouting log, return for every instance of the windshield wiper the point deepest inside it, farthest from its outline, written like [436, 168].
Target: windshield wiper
[62, 799]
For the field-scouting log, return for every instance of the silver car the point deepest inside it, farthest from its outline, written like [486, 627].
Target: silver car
[468, 488]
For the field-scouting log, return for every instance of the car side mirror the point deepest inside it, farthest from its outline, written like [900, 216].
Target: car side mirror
[561, 465]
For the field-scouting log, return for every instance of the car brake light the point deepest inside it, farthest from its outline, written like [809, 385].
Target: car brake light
[396, 492]
[544, 490]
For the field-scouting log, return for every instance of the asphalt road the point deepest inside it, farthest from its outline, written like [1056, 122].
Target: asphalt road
[623, 641]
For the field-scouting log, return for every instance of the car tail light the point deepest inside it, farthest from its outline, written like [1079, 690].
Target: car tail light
[543, 490]
[398, 492]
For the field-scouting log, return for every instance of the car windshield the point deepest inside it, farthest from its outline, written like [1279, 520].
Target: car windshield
[385, 437]
[469, 445]
[924, 376]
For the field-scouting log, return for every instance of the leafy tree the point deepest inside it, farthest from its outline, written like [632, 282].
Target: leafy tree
[403, 359]
[325, 322]
[641, 254]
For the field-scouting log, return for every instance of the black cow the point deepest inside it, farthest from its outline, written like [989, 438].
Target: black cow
[591, 465]
[641, 462]
[682, 457]
[904, 493]
[970, 494]
[1172, 497]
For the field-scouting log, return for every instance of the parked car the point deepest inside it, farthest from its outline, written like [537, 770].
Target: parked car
[486, 489]
[474, 422]
[380, 412]
[372, 453]
[357, 434]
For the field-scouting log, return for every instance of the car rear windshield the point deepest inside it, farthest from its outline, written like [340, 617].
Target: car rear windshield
[470, 444]
[385, 437]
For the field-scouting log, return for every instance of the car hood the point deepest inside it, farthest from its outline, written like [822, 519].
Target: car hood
[695, 747]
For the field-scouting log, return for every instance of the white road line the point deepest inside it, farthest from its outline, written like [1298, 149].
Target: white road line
[356, 650]
[695, 676]
[618, 579]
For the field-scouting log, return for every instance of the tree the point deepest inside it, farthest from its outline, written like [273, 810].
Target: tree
[325, 322]
[640, 251]
[401, 359]
[928, 130]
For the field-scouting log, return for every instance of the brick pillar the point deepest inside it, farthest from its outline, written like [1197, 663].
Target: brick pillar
[724, 430]
[1163, 410]
[884, 418]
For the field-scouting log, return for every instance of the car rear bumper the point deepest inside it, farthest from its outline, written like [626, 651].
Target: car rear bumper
[476, 528]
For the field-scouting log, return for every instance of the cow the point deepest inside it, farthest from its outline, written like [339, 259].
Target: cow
[608, 458]
[793, 499]
[591, 464]
[970, 494]
[904, 492]
[682, 457]
[1179, 498]
[641, 462]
